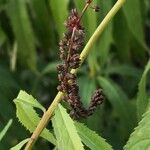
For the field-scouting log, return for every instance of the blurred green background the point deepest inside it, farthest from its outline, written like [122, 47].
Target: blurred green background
[29, 34]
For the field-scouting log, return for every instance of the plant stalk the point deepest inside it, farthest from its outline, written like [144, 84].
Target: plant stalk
[48, 114]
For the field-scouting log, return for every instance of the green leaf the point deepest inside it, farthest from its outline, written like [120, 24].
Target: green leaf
[134, 20]
[118, 100]
[21, 25]
[20, 145]
[123, 70]
[42, 23]
[30, 119]
[87, 88]
[59, 14]
[50, 67]
[111, 93]
[106, 39]
[65, 131]
[142, 99]
[140, 138]
[3, 132]
[122, 42]
[91, 139]
[29, 100]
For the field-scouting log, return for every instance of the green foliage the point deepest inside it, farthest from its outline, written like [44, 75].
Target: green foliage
[29, 35]
[139, 139]
[87, 89]
[131, 17]
[106, 39]
[20, 145]
[60, 15]
[23, 32]
[4, 131]
[42, 25]
[65, 131]
[91, 139]
[142, 97]
[113, 96]
[28, 116]
[29, 100]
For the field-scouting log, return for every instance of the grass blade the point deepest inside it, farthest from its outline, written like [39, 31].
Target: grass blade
[21, 25]
[3, 132]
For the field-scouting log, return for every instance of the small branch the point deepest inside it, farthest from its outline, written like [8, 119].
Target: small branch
[71, 42]
[47, 115]
[84, 9]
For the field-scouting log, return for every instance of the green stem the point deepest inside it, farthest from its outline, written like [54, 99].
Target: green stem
[47, 115]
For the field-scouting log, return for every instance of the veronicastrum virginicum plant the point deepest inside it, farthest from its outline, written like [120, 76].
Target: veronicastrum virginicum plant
[64, 127]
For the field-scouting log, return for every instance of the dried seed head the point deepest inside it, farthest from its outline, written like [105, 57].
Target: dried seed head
[96, 100]
[69, 46]
[73, 21]
[74, 61]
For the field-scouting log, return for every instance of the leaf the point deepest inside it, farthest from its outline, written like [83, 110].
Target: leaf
[140, 138]
[113, 96]
[50, 67]
[3, 132]
[59, 14]
[21, 25]
[29, 100]
[106, 39]
[42, 23]
[91, 139]
[123, 70]
[134, 20]
[142, 99]
[20, 145]
[87, 88]
[118, 100]
[122, 42]
[30, 119]
[65, 131]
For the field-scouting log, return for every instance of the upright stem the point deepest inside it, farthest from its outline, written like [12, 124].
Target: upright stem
[47, 115]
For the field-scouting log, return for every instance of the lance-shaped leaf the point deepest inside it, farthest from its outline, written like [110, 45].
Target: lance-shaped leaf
[20, 145]
[140, 138]
[3, 132]
[28, 116]
[91, 139]
[135, 17]
[42, 23]
[142, 99]
[29, 100]
[59, 13]
[17, 12]
[65, 131]
[111, 92]
[106, 39]
[118, 100]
